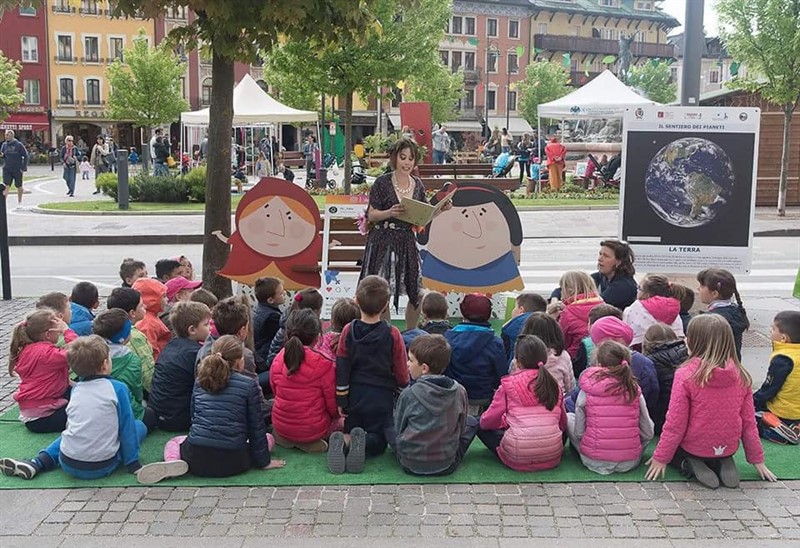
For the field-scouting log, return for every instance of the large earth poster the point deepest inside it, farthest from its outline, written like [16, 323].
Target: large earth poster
[688, 187]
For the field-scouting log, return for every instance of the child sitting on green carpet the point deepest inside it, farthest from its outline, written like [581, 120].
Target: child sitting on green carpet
[101, 431]
[42, 369]
[432, 430]
[60, 304]
[115, 327]
[780, 393]
[228, 435]
[130, 301]
[524, 425]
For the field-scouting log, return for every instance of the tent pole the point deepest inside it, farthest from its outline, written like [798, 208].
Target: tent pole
[541, 155]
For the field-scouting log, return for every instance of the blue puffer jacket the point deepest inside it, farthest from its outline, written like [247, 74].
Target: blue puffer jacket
[82, 318]
[511, 331]
[478, 360]
[230, 418]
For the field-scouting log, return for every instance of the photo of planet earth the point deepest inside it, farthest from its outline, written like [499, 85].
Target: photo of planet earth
[689, 182]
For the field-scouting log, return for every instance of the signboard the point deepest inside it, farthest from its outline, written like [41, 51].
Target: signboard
[338, 285]
[689, 187]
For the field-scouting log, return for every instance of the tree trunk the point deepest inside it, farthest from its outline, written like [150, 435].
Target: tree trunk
[218, 180]
[787, 122]
[348, 141]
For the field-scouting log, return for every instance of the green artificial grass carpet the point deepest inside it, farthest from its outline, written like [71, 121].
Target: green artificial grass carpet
[479, 466]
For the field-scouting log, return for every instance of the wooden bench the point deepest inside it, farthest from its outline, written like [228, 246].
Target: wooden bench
[377, 160]
[347, 255]
[294, 160]
[435, 175]
[467, 158]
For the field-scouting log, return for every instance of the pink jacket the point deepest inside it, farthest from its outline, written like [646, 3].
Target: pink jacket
[305, 401]
[44, 377]
[561, 368]
[532, 440]
[574, 321]
[642, 314]
[328, 345]
[612, 422]
[709, 421]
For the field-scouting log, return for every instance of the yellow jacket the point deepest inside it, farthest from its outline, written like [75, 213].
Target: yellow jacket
[786, 403]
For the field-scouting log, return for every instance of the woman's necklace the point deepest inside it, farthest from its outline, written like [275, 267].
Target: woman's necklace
[404, 191]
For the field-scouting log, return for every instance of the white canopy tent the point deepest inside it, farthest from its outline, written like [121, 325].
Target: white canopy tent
[604, 97]
[252, 108]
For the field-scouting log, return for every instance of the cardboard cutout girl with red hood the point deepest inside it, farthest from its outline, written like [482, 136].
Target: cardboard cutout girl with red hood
[277, 228]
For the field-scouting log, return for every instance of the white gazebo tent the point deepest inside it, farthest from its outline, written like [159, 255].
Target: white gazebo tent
[252, 108]
[604, 97]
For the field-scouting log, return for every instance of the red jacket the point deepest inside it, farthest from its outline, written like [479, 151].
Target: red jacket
[556, 153]
[44, 377]
[574, 321]
[709, 421]
[305, 401]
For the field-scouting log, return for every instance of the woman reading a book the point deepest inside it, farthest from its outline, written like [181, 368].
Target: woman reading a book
[391, 249]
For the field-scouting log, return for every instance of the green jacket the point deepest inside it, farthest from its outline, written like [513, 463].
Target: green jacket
[127, 368]
[141, 347]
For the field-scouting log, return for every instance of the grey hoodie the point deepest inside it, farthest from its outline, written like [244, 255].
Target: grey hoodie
[429, 418]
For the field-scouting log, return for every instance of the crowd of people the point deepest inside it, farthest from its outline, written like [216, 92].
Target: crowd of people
[600, 368]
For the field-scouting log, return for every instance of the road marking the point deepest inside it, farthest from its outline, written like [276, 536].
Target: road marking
[38, 187]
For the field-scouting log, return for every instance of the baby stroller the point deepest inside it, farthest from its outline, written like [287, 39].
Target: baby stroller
[328, 163]
[502, 165]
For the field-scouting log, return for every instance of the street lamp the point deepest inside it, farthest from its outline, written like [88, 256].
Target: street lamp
[508, 91]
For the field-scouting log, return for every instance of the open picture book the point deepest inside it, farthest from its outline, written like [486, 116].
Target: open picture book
[421, 213]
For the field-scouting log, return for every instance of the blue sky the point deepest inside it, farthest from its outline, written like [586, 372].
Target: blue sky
[677, 8]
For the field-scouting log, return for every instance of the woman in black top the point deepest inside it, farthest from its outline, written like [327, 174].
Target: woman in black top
[615, 271]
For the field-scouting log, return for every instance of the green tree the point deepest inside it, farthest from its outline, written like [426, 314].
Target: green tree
[764, 35]
[146, 86]
[544, 81]
[405, 46]
[438, 86]
[653, 78]
[238, 31]
[10, 94]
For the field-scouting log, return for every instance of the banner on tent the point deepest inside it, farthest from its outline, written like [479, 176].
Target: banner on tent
[689, 186]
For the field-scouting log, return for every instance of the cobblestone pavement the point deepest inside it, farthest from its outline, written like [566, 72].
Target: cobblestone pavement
[635, 514]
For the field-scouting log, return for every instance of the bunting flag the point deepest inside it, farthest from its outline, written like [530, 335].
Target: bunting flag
[473, 41]
[735, 68]
[655, 62]
[451, 39]
[537, 51]
[512, 86]
[565, 59]
[520, 51]
[608, 59]
[401, 84]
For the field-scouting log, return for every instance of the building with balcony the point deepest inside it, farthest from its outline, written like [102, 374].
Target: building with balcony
[83, 41]
[23, 37]
[716, 66]
[581, 33]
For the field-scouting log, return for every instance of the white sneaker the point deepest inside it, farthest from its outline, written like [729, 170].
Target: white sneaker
[157, 471]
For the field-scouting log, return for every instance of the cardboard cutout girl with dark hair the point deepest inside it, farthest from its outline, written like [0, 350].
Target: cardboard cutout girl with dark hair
[473, 246]
[277, 228]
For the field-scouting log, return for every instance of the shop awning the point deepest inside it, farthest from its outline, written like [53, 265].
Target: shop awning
[26, 121]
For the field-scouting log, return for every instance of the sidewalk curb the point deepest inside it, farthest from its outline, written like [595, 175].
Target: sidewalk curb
[189, 239]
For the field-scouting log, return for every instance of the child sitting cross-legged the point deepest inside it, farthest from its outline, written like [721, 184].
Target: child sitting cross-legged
[232, 317]
[371, 365]
[84, 299]
[656, 302]
[434, 310]
[305, 298]
[42, 368]
[114, 326]
[581, 360]
[227, 436]
[525, 423]
[154, 297]
[59, 303]
[432, 429]
[780, 393]
[101, 433]
[270, 295]
[168, 407]
[478, 361]
[304, 383]
[610, 427]
[662, 347]
[558, 363]
[343, 312]
[130, 301]
[526, 304]
[710, 410]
